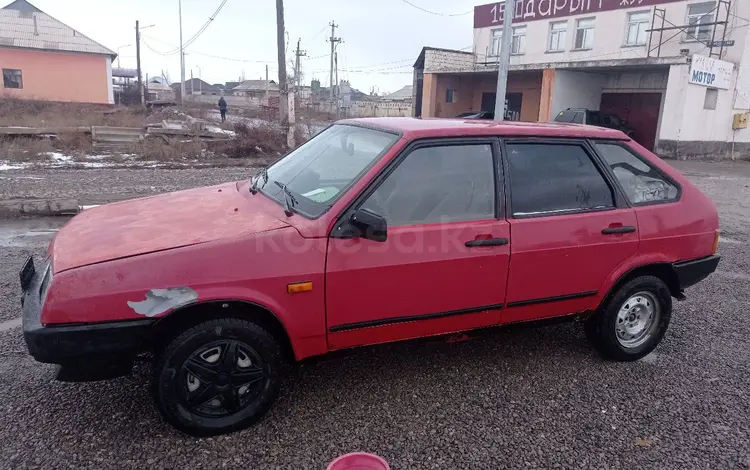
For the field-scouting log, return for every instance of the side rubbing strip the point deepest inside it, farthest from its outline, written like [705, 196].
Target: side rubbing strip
[429, 316]
[546, 300]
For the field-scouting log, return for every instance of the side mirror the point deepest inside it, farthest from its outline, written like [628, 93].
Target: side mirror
[370, 225]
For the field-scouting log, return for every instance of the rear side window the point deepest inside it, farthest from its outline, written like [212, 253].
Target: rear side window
[642, 183]
[595, 118]
[438, 184]
[551, 179]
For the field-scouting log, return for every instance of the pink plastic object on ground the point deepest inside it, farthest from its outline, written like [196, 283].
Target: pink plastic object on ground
[359, 461]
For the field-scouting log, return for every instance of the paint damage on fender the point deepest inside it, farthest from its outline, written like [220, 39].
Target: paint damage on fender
[159, 301]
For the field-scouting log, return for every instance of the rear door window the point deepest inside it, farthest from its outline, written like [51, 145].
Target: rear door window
[642, 183]
[554, 179]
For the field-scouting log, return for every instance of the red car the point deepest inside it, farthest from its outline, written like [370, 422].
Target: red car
[376, 230]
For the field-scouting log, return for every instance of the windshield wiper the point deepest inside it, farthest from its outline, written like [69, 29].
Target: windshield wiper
[263, 174]
[289, 200]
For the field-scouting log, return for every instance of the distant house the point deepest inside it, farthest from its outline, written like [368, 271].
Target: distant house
[256, 89]
[159, 91]
[43, 59]
[196, 86]
[403, 94]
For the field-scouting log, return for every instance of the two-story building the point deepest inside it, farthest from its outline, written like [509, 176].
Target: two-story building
[677, 71]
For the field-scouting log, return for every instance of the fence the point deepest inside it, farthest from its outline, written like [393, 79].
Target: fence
[355, 109]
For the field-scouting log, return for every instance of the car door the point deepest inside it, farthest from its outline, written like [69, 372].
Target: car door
[570, 228]
[444, 264]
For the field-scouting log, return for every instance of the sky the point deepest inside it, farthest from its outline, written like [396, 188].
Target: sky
[382, 38]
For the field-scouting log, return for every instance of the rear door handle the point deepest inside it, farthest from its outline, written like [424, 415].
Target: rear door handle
[487, 242]
[618, 230]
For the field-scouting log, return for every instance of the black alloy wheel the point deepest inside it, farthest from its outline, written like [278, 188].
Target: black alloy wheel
[218, 376]
[222, 378]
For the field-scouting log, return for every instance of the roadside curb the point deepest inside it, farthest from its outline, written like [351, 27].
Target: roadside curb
[11, 208]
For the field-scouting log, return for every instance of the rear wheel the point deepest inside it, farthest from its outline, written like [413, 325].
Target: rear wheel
[633, 322]
[218, 376]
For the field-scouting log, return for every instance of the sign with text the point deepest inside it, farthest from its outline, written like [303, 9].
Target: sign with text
[531, 10]
[710, 72]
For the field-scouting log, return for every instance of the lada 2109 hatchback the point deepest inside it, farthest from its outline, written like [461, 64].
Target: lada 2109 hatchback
[376, 230]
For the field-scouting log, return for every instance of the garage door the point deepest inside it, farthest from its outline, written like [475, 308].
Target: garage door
[640, 110]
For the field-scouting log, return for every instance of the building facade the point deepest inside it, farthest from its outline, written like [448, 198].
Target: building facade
[678, 71]
[43, 59]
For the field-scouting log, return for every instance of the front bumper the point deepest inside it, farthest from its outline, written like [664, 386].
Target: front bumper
[83, 352]
[692, 272]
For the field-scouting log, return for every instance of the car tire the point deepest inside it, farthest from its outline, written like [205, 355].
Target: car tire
[217, 377]
[633, 321]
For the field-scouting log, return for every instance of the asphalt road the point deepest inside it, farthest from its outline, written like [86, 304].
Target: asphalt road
[522, 398]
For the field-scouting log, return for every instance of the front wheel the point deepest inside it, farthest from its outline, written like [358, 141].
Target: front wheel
[218, 376]
[633, 322]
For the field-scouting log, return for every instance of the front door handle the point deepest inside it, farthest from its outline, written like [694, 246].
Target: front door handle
[487, 242]
[618, 230]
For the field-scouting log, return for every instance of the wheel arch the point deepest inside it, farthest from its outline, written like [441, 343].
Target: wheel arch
[171, 325]
[662, 270]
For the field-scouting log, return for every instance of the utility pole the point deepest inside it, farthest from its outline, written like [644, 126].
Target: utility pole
[504, 63]
[283, 92]
[266, 96]
[138, 61]
[182, 60]
[338, 88]
[333, 40]
[297, 75]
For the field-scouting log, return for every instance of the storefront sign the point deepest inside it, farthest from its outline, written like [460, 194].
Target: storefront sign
[532, 10]
[710, 72]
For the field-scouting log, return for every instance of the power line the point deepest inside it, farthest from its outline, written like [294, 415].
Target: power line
[200, 31]
[434, 12]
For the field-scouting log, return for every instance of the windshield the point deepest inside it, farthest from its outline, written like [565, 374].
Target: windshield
[315, 175]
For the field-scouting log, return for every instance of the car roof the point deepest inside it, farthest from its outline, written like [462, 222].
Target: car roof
[414, 128]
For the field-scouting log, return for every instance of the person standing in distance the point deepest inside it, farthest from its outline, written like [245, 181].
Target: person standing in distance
[223, 109]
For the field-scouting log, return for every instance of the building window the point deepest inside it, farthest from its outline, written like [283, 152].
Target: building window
[558, 31]
[450, 95]
[712, 96]
[518, 44]
[584, 34]
[497, 39]
[698, 15]
[636, 34]
[12, 78]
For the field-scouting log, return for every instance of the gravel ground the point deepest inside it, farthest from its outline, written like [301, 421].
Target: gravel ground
[521, 398]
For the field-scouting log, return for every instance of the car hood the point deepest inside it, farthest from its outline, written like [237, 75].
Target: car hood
[158, 223]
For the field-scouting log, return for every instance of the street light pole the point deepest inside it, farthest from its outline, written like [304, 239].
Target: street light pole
[200, 81]
[182, 60]
[118, 53]
[504, 62]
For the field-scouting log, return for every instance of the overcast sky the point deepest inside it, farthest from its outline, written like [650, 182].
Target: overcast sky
[382, 38]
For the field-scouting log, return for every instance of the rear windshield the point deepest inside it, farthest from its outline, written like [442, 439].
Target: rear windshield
[570, 116]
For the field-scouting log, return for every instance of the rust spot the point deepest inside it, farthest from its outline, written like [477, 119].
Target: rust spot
[458, 338]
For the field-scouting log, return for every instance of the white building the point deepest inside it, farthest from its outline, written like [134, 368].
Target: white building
[677, 70]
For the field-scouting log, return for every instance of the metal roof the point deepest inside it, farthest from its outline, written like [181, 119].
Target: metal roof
[403, 94]
[25, 26]
[256, 85]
